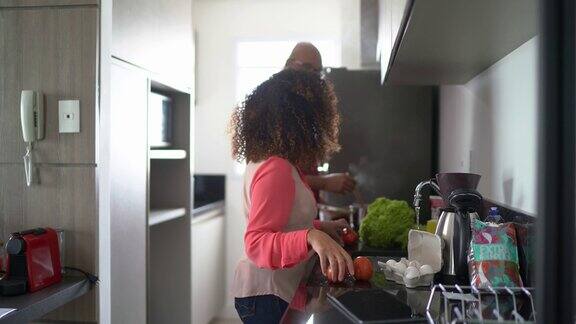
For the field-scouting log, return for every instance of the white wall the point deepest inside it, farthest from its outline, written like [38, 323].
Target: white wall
[488, 126]
[219, 25]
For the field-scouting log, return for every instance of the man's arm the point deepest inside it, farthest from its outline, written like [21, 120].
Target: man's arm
[336, 182]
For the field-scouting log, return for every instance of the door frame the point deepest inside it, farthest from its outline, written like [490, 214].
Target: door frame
[556, 174]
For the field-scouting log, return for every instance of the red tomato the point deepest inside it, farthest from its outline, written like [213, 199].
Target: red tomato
[349, 237]
[331, 277]
[362, 268]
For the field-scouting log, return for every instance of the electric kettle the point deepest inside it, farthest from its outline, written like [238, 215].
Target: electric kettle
[459, 193]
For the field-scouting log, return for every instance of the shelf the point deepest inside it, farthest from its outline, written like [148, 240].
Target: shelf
[158, 216]
[450, 42]
[168, 154]
[32, 306]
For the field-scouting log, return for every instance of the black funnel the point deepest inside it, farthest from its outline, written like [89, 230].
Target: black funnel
[448, 182]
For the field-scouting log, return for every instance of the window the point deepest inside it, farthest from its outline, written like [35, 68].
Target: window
[258, 60]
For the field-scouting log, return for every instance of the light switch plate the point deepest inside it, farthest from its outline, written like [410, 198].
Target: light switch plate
[69, 116]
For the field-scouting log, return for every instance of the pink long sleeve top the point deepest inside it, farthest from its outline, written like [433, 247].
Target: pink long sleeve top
[280, 209]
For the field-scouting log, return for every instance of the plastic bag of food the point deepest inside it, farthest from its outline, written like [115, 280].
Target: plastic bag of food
[526, 235]
[493, 256]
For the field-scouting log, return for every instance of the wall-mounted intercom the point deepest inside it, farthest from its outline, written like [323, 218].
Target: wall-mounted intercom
[32, 115]
[32, 119]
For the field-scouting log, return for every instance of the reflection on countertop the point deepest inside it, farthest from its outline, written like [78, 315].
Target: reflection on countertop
[317, 292]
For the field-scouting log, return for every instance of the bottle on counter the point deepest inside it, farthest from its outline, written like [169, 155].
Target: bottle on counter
[494, 216]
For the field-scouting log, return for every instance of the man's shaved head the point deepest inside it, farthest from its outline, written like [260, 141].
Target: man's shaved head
[305, 56]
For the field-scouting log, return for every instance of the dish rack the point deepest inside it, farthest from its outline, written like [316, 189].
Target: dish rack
[466, 304]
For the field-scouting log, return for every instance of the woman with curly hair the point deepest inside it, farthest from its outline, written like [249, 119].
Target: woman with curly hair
[287, 124]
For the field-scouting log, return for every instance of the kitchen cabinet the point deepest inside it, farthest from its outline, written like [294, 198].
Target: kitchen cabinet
[170, 204]
[155, 35]
[208, 266]
[150, 235]
[169, 274]
[128, 176]
[153, 40]
[390, 17]
[449, 42]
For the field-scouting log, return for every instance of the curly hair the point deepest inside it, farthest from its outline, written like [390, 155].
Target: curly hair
[292, 115]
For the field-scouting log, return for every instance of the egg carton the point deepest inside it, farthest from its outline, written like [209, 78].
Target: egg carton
[424, 261]
[412, 276]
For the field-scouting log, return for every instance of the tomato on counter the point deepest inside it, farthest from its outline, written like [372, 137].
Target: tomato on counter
[331, 277]
[349, 237]
[363, 268]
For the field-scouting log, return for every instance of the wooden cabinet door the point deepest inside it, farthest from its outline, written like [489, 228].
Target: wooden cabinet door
[128, 194]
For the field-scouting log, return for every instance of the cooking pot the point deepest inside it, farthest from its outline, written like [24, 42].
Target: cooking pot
[354, 214]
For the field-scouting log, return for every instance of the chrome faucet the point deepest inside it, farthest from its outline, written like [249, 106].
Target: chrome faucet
[419, 187]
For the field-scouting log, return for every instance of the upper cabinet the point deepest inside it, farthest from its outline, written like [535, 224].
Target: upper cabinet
[391, 14]
[423, 42]
[155, 35]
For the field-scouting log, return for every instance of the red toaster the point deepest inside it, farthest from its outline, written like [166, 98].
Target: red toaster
[33, 261]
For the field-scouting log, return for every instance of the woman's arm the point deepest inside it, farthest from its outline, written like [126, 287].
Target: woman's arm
[336, 182]
[272, 197]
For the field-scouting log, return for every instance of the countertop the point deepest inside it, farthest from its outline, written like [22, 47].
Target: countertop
[319, 308]
[32, 306]
[208, 211]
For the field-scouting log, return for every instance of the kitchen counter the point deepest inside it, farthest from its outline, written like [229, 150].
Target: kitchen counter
[32, 306]
[208, 211]
[317, 294]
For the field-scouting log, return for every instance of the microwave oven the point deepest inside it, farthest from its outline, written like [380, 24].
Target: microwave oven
[160, 121]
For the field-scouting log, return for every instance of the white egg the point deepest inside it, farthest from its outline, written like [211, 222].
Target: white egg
[415, 264]
[426, 269]
[391, 263]
[400, 268]
[412, 272]
[405, 261]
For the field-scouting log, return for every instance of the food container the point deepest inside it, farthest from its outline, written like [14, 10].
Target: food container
[424, 261]
[436, 205]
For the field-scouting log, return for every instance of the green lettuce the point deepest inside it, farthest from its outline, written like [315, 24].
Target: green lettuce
[387, 223]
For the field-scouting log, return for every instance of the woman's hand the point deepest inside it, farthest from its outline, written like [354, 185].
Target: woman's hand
[331, 254]
[335, 229]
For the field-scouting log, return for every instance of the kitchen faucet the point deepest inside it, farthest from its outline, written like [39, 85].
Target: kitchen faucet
[418, 196]
[419, 187]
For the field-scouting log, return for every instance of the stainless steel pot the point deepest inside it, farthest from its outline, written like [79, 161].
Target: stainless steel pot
[355, 213]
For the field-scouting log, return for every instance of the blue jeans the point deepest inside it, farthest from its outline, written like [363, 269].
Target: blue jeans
[260, 309]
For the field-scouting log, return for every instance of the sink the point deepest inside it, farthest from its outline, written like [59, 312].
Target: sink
[363, 250]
